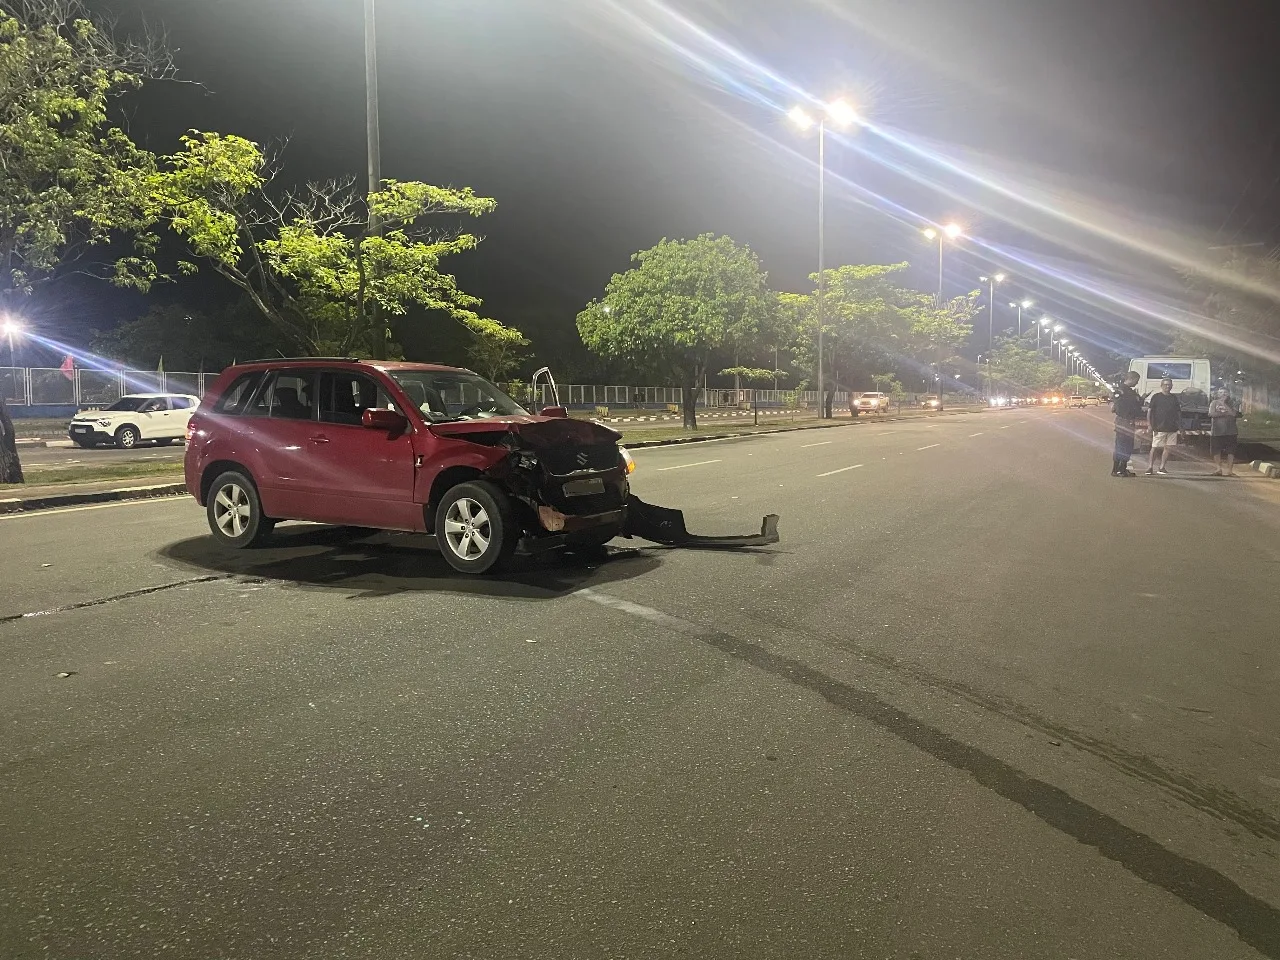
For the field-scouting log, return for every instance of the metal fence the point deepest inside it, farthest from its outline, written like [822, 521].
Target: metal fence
[85, 388]
[54, 387]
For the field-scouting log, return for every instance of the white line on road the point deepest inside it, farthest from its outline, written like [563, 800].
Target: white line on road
[978, 434]
[1006, 426]
[700, 463]
[822, 444]
[18, 515]
[929, 447]
[832, 473]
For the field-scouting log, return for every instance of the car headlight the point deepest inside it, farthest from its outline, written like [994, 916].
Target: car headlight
[628, 461]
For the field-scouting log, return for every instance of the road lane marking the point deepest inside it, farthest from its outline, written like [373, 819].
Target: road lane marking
[1006, 426]
[168, 497]
[822, 444]
[929, 447]
[832, 473]
[682, 466]
[978, 434]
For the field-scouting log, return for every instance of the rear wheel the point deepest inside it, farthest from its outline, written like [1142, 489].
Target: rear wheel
[475, 529]
[127, 437]
[235, 512]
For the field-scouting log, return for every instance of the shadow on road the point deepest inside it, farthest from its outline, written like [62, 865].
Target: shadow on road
[371, 564]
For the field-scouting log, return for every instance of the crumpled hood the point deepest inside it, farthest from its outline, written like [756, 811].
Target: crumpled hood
[540, 433]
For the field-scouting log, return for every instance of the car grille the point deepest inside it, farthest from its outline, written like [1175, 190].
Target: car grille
[562, 460]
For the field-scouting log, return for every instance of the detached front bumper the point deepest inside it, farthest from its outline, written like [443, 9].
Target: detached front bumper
[666, 526]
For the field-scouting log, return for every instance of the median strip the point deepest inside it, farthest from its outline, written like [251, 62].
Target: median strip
[832, 473]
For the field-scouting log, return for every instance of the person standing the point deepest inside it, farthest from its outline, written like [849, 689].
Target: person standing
[1127, 407]
[1223, 433]
[1164, 417]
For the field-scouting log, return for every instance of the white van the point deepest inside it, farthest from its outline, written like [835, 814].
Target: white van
[1192, 384]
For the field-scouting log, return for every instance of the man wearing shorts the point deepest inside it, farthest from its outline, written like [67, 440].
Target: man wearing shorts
[1164, 416]
[1223, 433]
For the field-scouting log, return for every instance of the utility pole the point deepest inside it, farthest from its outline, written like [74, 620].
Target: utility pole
[822, 251]
[375, 156]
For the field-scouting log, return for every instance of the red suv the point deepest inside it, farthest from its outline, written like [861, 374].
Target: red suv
[404, 446]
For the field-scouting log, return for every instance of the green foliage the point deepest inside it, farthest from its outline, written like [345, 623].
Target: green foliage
[890, 384]
[1019, 364]
[305, 257]
[753, 374]
[1076, 384]
[683, 301]
[71, 180]
[496, 357]
[191, 339]
[1242, 307]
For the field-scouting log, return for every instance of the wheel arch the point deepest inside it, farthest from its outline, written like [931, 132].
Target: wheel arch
[446, 479]
[218, 467]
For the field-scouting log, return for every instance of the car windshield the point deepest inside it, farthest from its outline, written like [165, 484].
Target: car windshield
[444, 395]
[129, 403]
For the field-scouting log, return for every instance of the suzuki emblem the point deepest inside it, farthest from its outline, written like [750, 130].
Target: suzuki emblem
[582, 458]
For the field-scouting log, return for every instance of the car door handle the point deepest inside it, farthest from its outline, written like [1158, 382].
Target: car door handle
[321, 438]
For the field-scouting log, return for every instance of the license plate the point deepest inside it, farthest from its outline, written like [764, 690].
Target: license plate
[79, 429]
[584, 488]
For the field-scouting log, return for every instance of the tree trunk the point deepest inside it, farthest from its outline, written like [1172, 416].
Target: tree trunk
[10, 465]
[689, 402]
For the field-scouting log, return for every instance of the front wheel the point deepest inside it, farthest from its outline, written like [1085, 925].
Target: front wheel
[475, 528]
[127, 437]
[235, 512]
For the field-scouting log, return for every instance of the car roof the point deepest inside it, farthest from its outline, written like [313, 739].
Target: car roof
[286, 362]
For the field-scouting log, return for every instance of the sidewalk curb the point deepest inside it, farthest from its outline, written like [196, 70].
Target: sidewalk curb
[1266, 468]
[20, 505]
[680, 441]
[21, 442]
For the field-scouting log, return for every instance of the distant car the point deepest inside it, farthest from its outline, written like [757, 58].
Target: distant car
[870, 403]
[930, 403]
[135, 418]
[1076, 401]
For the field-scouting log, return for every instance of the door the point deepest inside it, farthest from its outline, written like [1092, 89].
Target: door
[278, 423]
[180, 410]
[150, 418]
[361, 477]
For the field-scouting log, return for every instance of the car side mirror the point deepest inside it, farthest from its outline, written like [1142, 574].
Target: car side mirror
[388, 421]
[560, 412]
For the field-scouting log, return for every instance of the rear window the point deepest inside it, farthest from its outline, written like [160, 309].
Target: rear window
[1174, 371]
[237, 395]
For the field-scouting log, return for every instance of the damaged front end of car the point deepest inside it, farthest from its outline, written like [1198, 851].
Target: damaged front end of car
[568, 481]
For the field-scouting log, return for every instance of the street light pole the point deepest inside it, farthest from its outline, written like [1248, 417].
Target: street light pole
[822, 251]
[991, 282]
[375, 154]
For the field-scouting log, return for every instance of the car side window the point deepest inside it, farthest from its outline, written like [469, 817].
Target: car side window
[345, 396]
[238, 395]
[153, 406]
[291, 396]
[180, 403]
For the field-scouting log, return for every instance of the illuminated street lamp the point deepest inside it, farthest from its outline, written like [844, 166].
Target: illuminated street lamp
[1021, 305]
[12, 330]
[842, 114]
[951, 231]
[991, 282]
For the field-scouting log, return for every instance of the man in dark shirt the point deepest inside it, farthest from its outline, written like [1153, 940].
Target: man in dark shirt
[1127, 407]
[1164, 416]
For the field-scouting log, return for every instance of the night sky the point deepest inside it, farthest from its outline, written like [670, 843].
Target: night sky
[602, 126]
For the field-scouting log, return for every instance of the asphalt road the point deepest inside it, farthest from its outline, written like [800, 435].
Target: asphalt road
[983, 701]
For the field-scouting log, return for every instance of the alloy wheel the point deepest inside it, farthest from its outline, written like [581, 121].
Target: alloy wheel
[467, 529]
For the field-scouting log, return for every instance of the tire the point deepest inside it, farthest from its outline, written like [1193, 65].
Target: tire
[85, 444]
[235, 512]
[127, 437]
[475, 529]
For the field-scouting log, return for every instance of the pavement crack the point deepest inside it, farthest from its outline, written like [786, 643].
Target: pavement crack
[114, 598]
[1212, 893]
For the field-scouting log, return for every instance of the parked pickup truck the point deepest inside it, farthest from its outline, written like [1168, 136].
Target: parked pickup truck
[1192, 384]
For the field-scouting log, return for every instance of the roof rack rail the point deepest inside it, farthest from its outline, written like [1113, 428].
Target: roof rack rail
[310, 359]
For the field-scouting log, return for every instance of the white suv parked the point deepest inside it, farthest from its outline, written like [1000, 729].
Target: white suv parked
[161, 417]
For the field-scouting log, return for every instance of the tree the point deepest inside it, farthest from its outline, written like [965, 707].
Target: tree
[70, 181]
[302, 256]
[495, 357]
[1016, 362]
[1240, 329]
[936, 333]
[683, 301]
[191, 339]
[1076, 384]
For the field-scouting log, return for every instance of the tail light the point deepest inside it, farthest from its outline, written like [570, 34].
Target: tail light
[191, 429]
